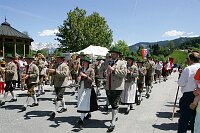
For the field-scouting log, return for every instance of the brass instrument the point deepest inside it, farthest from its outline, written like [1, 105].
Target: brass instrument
[2, 70]
[51, 66]
[23, 79]
[2, 73]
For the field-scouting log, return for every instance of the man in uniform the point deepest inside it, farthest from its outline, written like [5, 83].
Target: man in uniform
[61, 75]
[41, 65]
[140, 80]
[101, 71]
[115, 71]
[10, 76]
[31, 78]
[97, 66]
[150, 66]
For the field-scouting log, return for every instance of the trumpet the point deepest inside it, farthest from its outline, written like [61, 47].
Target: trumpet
[2, 73]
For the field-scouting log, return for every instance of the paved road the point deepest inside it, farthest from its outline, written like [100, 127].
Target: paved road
[152, 116]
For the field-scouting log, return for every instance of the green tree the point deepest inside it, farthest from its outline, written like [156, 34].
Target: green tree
[123, 47]
[80, 31]
[139, 51]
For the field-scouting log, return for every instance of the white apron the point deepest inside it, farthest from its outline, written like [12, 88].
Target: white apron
[129, 93]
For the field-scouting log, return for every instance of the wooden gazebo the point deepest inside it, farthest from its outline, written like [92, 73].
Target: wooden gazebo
[12, 41]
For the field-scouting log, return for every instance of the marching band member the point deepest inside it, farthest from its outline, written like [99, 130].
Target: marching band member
[101, 75]
[150, 66]
[60, 76]
[32, 78]
[141, 78]
[88, 100]
[97, 66]
[128, 95]
[115, 72]
[41, 65]
[10, 76]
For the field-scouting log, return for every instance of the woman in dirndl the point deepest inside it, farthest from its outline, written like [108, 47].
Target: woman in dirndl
[87, 97]
[128, 96]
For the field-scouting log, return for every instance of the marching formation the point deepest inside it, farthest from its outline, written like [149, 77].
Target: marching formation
[124, 79]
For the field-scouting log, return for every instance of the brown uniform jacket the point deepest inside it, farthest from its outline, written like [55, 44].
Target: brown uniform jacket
[11, 72]
[116, 80]
[33, 72]
[61, 76]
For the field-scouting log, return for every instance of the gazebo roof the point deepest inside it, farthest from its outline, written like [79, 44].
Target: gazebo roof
[7, 30]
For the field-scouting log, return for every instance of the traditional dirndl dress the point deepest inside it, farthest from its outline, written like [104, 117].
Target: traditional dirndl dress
[129, 93]
[80, 90]
[88, 100]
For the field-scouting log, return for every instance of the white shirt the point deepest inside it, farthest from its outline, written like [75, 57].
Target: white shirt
[186, 80]
[159, 66]
[168, 66]
[21, 63]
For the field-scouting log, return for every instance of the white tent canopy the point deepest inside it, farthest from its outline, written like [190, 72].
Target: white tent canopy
[95, 50]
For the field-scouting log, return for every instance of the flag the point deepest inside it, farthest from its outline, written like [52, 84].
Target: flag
[171, 60]
[144, 53]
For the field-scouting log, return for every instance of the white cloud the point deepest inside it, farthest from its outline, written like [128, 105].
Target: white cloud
[190, 33]
[48, 32]
[173, 33]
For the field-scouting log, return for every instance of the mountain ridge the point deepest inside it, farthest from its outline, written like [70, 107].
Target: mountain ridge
[177, 42]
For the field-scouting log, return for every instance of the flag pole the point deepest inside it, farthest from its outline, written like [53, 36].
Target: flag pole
[175, 104]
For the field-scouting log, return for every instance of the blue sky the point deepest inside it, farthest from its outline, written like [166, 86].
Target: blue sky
[131, 20]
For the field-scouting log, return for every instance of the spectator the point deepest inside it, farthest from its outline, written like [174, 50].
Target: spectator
[187, 84]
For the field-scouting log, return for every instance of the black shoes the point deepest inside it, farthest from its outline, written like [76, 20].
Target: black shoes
[138, 103]
[110, 129]
[127, 112]
[37, 95]
[88, 116]
[2, 103]
[73, 93]
[34, 104]
[80, 123]
[106, 107]
[147, 96]
[62, 110]
[23, 108]
[42, 93]
[52, 115]
[13, 100]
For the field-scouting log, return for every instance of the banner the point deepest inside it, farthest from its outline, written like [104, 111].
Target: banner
[171, 60]
[144, 53]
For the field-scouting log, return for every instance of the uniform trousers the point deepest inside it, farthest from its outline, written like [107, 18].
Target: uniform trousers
[113, 97]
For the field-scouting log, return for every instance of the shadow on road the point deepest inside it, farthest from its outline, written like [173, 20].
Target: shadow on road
[22, 95]
[12, 107]
[30, 114]
[166, 115]
[167, 126]
[70, 103]
[45, 99]
[58, 120]
[93, 123]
